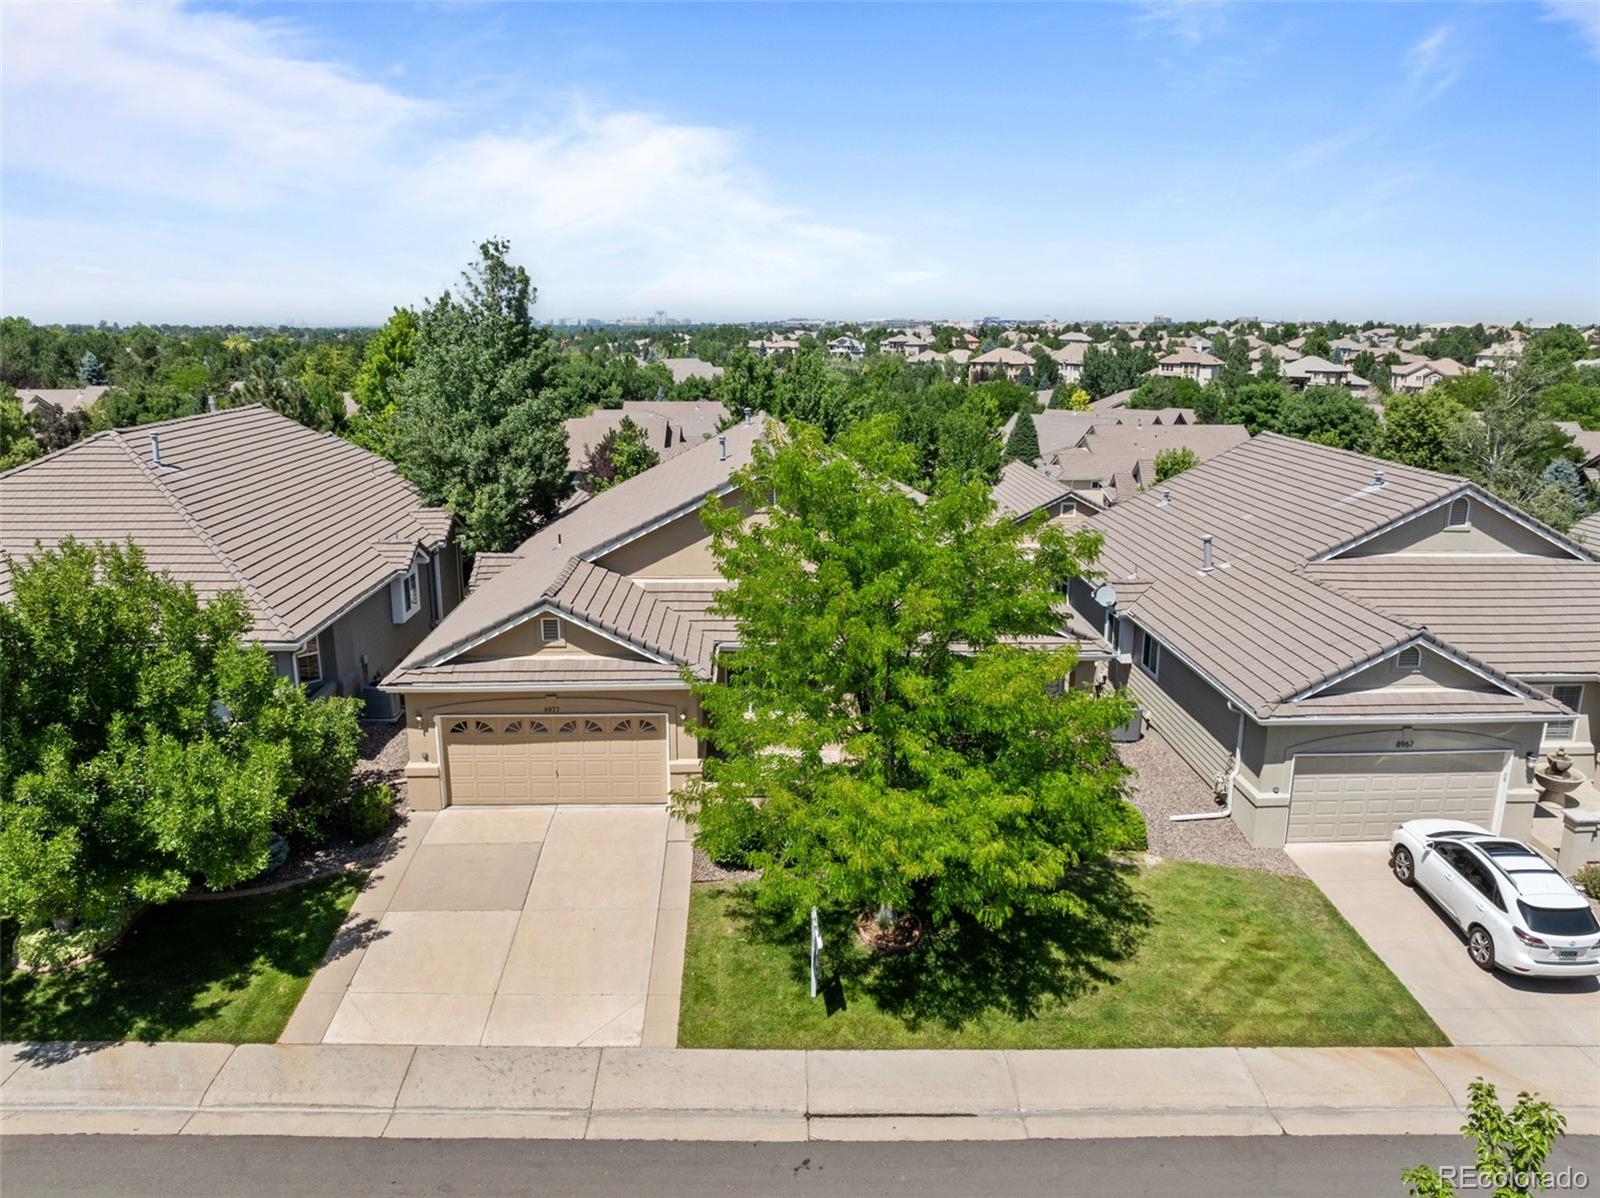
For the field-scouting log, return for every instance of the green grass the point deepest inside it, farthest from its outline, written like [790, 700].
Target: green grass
[228, 970]
[1179, 954]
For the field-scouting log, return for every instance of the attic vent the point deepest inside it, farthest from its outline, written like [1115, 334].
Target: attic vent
[1409, 658]
[1166, 496]
[549, 629]
[1377, 478]
[1460, 514]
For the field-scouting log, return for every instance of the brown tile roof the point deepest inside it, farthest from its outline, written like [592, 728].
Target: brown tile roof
[1262, 627]
[1587, 532]
[1022, 490]
[1529, 616]
[1112, 449]
[554, 567]
[306, 524]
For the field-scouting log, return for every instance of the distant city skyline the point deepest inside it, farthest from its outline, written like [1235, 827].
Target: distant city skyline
[269, 163]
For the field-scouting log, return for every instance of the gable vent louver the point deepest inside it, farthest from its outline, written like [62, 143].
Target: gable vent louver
[1409, 658]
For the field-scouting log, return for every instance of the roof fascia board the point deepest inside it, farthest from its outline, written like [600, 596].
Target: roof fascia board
[341, 613]
[1408, 720]
[1506, 684]
[544, 605]
[599, 684]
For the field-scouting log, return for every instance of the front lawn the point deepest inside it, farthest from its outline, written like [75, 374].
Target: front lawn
[1176, 955]
[227, 970]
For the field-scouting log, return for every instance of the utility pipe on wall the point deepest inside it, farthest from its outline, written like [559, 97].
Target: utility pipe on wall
[1227, 807]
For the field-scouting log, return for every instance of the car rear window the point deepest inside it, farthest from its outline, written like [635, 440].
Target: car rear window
[1559, 921]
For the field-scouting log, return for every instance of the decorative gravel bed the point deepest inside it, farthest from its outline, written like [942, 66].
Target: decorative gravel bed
[706, 870]
[383, 757]
[1163, 787]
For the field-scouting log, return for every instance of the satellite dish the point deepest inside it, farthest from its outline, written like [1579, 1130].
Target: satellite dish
[1106, 595]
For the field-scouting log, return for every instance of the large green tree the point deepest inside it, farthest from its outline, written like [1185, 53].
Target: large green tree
[879, 739]
[619, 455]
[17, 442]
[1423, 430]
[144, 744]
[476, 428]
[1023, 444]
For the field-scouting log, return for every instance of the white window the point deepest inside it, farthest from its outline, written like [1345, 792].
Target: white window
[1409, 658]
[549, 630]
[1460, 514]
[308, 663]
[1560, 731]
[405, 595]
[1564, 731]
[1150, 655]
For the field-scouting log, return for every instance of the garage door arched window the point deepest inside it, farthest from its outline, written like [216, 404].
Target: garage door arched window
[570, 728]
[514, 728]
[647, 726]
[538, 728]
[592, 727]
[471, 728]
[623, 726]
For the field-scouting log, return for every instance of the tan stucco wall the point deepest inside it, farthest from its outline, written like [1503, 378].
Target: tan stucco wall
[1581, 748]
[524, 641]
[424, 710]
[1436, 672]
[1489, 532]
[680, 549]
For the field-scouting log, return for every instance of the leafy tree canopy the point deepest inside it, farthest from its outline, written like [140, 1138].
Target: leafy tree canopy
[880, 627]
[144, 743]
[1174, 461]
[476, 429]
[619, 455]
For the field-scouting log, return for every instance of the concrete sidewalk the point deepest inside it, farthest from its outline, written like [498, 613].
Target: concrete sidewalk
[651, 1094]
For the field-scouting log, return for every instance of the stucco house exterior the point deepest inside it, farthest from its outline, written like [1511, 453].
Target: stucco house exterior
[342, 566]
[560, 678]
[1189, 363]
[1338, 643]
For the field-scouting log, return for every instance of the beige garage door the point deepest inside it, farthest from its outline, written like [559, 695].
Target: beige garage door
[1363, 796]
[563, 759]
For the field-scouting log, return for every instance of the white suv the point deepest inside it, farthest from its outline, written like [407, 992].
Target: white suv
[1516, 909]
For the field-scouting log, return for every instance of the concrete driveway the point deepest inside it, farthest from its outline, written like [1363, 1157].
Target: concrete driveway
[512, 925]
[1422, 946]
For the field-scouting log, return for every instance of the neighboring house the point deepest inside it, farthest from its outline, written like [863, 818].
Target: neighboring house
[1501, 356]
[1283, 353]
[767, 347]
[1069, 359]
[849, 348]
[905, 344]
[1416, 377]
[1193, 364]
[342, 566]
[1313, 371]
[1076, 338]
[669, 426]
[1117, 399]
[1023, 490]
[58, 399]
[691, 368]
[1003, 362]
[1338, 643]
[560, 677]
[1112, 462]
[1587, 442]
[1346, 348]
[1063, 428]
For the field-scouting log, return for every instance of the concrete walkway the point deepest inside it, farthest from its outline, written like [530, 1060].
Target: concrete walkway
[1423, 948]
[641, 1093]
[512, 926]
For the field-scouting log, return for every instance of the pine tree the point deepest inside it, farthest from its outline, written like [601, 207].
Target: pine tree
[90, 370]
[1023, 444]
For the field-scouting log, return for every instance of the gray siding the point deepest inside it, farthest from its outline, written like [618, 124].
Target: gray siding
[1188, 713]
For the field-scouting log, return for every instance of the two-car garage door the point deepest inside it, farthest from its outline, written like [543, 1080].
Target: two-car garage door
[1362, 796]
[560, 759]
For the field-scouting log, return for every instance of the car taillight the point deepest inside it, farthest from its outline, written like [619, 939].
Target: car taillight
[1529, 938]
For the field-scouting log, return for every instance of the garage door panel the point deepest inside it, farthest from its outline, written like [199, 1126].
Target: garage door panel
[1363, 797]
[600, 759]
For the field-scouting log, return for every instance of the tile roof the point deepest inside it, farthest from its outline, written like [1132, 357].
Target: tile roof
[669, 427]
[1262, 625]
[554, 567]
[1587, 532]
[1112, 449]
[306, 524]
[1022, 490]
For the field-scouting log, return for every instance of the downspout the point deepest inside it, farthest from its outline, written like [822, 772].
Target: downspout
[1227, 807]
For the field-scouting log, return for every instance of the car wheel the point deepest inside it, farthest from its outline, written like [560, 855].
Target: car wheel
[1480, 947]
[1403, 866]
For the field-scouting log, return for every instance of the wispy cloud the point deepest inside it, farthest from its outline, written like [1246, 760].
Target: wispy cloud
[1582, 15]
[230, 120]
[1190, 21]
[1434, 63]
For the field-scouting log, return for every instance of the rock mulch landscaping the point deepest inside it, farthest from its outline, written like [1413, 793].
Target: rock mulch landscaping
[1165, 786]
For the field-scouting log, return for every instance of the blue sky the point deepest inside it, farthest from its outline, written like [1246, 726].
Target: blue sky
[321, 163]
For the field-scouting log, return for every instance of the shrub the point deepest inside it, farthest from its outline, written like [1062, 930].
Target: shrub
[52, 948]
[324, 741]
[1127, 833]
[367, 814]
[1588, 879]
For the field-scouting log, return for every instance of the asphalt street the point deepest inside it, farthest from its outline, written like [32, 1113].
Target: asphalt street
[217, 1167]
